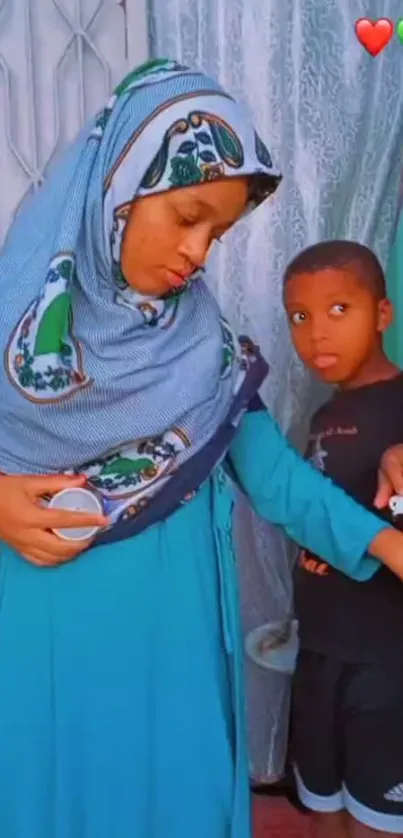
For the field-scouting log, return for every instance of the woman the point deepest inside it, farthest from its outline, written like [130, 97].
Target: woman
[121, 697]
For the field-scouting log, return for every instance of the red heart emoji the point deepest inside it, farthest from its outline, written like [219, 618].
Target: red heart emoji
[374, 35]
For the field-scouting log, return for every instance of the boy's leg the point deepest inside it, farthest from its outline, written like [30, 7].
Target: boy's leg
[329, 826]
[358, 830]
[373, 750]
[314, 746]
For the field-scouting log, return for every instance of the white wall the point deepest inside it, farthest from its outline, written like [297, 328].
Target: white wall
[59, 59]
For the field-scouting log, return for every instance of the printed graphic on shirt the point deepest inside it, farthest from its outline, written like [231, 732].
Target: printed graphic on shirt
[312, 564]
[317, 454]
[317, 450]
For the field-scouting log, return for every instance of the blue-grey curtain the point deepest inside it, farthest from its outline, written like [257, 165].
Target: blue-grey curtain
[394, 337]
[333, 118]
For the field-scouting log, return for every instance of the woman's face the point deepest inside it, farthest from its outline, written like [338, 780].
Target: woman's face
[169, 235]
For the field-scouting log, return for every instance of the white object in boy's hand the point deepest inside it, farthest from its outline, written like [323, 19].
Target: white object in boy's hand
[396, 505]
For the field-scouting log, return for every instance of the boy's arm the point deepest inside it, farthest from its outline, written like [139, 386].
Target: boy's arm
[289, 492]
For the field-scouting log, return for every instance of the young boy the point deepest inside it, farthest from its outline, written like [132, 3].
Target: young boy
[347, 725]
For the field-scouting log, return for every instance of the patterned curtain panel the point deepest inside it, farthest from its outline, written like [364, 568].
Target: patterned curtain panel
[394, 338]
[59, 61]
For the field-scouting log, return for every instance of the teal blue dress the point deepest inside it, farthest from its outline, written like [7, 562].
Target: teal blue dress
[121, 686]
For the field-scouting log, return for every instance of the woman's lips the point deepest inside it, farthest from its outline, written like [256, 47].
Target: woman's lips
[325, 361]
[177, 280]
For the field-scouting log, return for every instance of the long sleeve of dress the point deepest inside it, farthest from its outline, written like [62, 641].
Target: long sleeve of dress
[286, 490]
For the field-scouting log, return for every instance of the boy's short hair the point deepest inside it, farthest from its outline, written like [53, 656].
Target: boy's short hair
[341, 254]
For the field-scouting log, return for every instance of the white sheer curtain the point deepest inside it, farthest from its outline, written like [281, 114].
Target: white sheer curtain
[333, 118]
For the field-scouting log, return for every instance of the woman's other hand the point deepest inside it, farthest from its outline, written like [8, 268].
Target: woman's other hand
[390, 476]
[26, 526]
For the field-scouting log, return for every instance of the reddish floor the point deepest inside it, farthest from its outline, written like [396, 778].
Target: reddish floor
[274, 818]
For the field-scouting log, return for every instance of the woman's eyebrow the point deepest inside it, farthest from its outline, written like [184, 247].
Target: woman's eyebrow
[202, 209]
[198, 205]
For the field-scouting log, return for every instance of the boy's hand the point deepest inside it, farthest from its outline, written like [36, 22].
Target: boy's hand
[390, 476]
[387, 546]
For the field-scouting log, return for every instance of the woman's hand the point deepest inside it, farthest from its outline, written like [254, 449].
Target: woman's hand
[390, 476]
[25, 525]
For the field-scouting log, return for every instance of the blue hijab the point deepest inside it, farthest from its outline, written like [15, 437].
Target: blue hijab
[96, 377]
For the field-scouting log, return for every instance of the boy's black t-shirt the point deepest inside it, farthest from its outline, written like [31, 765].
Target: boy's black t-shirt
[357, 622]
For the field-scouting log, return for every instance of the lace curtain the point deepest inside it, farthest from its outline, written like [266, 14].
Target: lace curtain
[394, 336]
[333, 118]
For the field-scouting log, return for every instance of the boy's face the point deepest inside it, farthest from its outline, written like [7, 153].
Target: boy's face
[336, 322]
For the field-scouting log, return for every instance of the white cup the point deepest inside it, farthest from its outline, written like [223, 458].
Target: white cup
[76, 500]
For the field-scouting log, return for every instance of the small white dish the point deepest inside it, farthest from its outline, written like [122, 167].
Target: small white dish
[274, 646]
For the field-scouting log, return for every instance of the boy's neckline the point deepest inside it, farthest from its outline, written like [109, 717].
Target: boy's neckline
[370, 386]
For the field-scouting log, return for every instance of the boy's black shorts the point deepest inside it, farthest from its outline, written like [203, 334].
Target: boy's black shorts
[347, 739]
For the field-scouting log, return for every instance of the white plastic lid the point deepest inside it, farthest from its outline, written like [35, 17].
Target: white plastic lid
[76, 500]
